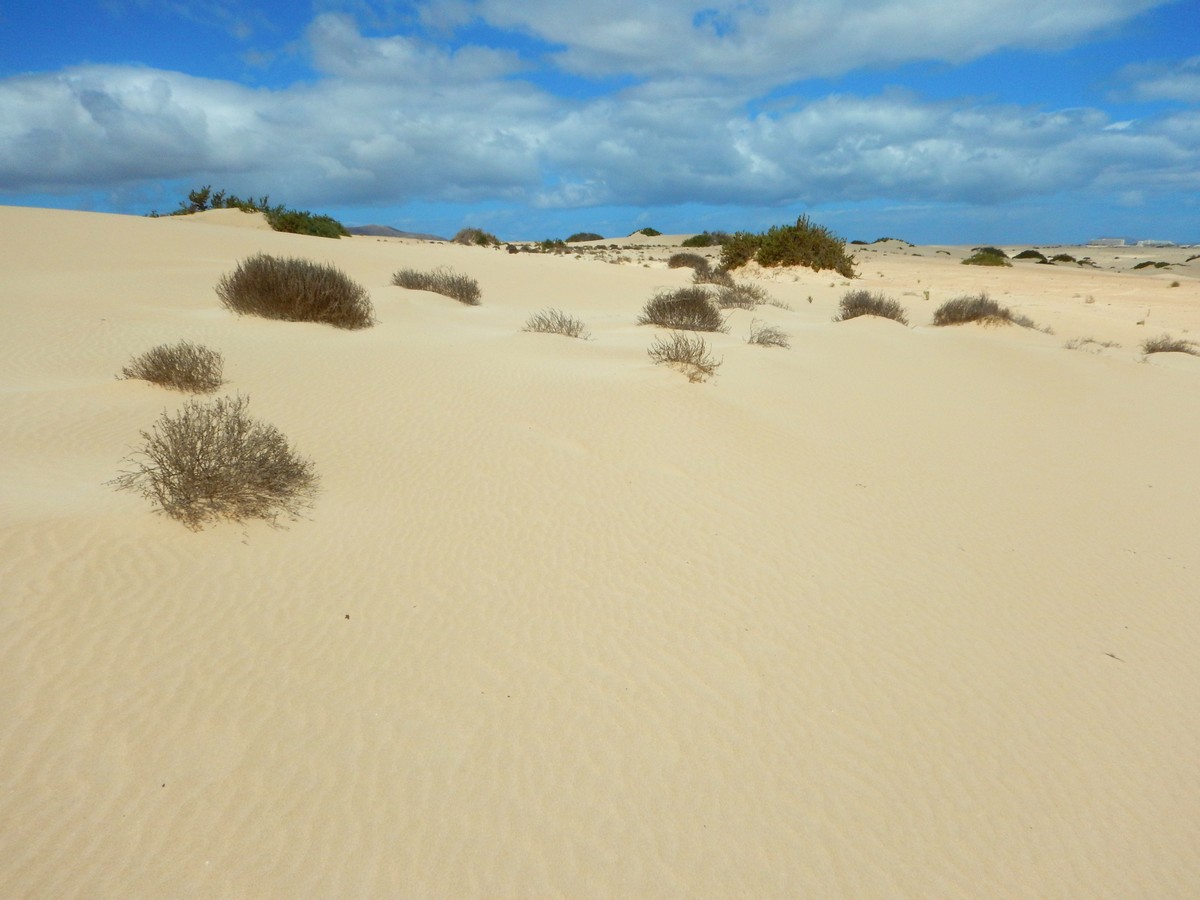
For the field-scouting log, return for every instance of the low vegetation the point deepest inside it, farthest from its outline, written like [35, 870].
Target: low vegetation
[767, 335]
[802, 244]
[689, 353]
[279, 217]
[648, 232]
[1167, 344]
[296, 290]
[980, 308]
[987, 256]
[1149, 262]
[183, 366]
[213, 461]
[1032, 254]
[865, 303]
[1087, 343]
[584, 236]
[741, 295]
[689, 309]
[442, 281]
[687, 260]
[706, 239]
[555, 321]
[476, 237]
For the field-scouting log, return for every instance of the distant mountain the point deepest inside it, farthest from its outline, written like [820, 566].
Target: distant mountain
[389, 231]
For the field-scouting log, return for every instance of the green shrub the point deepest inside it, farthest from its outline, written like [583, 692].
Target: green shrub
[554, 321]
[476, 237]
[183, 367]
[978, 309]
[705, 239]
[1167, 344]
[987, 256]
[1031, 254]
[767, 335]
[802, 244]
[687, 260]
[864, 303]
[1062, 257]
[689, 353]
[293, 221]
[213, 461]
[295, 290]
[689, 308]
[280, 218]
[584, 236]
[648, 232]
[442, 281]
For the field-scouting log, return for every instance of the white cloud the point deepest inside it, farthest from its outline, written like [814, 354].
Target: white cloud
[1179, 81]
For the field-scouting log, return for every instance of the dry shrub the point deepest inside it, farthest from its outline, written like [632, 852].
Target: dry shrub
[767, 335]
[689, 308]
[741, 295]
[689, 353]
[719, 277]
[689, 260]
[1167, 344]
[442, 281]
[555, 321]
[212, 461]
[864, 303]
[978, 309]
[295, 290]
[182, 367]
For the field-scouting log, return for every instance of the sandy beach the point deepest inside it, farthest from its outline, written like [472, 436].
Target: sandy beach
[898, 611]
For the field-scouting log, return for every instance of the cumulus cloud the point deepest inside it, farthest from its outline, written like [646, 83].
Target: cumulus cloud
[1178, 81]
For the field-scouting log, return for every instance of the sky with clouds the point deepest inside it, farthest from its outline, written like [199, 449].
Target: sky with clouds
[960, 122]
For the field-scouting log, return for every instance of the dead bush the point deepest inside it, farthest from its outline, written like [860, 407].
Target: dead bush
[689, 308]
[864, 303]
[182, 367]
[442, 281]
[295, 290]
[767, 335]
[688, 353]
[555, 321]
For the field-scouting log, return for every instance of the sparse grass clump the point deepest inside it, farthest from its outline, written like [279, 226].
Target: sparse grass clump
[689, 353]
[689, 308]
[987, 256]
[802, 244]
[1086, 343]
[442, 281]
[476, 237]
[1167, 344]
[864, 303]
[554, 321]
[295, 290]
[767, 335]
[212, 461]
[719, 277]
[182, 367]
[981, 308]
[741, 295]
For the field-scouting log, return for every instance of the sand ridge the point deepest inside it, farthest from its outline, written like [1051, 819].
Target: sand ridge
[894, 612]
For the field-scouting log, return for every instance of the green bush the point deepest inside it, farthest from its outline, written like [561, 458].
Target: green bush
[687, 260]
[295, 290]
[987, 256]
[1063, 257]
[648, 232]
[213, 461]
[979, 309]
[689, 309]
[280, 218]
[690, 354]
[864, 303]
[802, 244]
[183, 367]
[705, 239]
[555, 321]
[584, 236]
[442, 281]
[1032, 254]
[476, 237]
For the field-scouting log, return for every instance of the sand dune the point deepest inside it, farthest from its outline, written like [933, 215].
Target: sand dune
[898, 611]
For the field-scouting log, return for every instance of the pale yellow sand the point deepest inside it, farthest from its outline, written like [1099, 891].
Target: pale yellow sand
[898, 612]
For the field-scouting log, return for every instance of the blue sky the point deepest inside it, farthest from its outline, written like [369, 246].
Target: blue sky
[936, 122]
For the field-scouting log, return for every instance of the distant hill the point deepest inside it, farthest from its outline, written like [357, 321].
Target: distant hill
[389, 231]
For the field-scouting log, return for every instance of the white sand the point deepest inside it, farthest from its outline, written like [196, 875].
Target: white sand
[897, 612]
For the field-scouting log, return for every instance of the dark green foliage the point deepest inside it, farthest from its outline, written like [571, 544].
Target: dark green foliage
[212, 461]
[864, 303]
[280, 218]
[183, 367]
[978, 309]
[1148, 263]
[688, 260]
[689, 308]
[476, 237]
[689, 353]
[802, 244]
[706, 239]
[648, 232]
[987, 256]
[584, 236]
[1062, 257]
[1031, 254]
[1167, 344]
[442, 281]
[555, 321]
[295, 290]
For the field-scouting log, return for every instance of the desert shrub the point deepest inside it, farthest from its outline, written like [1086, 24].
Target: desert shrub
[554, 321]
[864, 303]
[442, 281]
[767, 335]
[978, 309]
[689, 308]
[585, 236]
[689, 353]
[183, 367]
[687, 260]
[280, 218]
[212, 460]
[1062, 257]
[718, 276]
[295, 221]
[648, 232]
[1084, 343]
[802, 244]
[987, 256]
[1148, 263]
[1031, 254]
[295, 290]
[476, 237]
[705, 239]
[1167, 344]
[741, 295]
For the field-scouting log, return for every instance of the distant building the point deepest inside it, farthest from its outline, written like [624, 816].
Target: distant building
[1156, 243]
[1106, 242]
